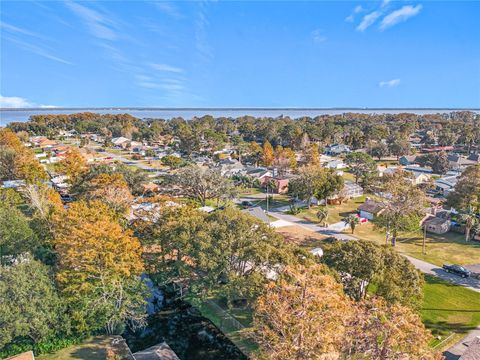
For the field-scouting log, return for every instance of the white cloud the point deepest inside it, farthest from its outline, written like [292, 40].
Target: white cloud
[19, 102]
[358, 9]
[389, 83]
[166, 68]
[99, 25]
[36, 50]
[368, 20]
[168, 8]
[385, 3]
[400, 15]
[318, 36]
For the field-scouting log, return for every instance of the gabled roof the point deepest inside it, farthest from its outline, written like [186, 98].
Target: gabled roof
[473, 350]
[370, 206]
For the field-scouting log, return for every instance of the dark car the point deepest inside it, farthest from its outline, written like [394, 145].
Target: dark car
[457, 269]
[247, 204]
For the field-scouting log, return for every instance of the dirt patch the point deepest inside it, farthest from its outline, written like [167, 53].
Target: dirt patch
[298, 235]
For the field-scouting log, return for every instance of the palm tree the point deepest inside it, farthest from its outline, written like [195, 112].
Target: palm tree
[470, 219]
[322, 215]
[352, 220]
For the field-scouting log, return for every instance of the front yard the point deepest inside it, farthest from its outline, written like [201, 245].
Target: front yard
[449, 309]
[335, 212]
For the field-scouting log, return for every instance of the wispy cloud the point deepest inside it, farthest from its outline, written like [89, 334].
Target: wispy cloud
[99, 25]
[385, 3]
[12, 102]
[30, 41]
[389, 83]
[368, 20]
[166, 68]
[400, 15]
[318, 36]
[36, 49]
[356, 10]
[168, 8]
[201, 35]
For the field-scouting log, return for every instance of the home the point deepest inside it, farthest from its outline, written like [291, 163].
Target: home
[13, 184]
[335, 164]
[473, 350]
[407, 160]
[370, 209]
[446, 184]
[337, 149]
[458, 162]
[229, 167]
[474, 157]
[351, 190]
[278, 184]
[420, 178]
[418, 168]
[260, 174]
[120, 142]
[437, 221]
[23, 356]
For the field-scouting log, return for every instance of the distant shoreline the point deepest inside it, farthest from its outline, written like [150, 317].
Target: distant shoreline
[238, 109]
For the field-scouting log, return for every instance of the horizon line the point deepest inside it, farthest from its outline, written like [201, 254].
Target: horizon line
[233, 108]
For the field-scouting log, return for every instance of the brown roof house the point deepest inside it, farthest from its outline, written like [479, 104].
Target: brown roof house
[437, 221]
[370, 209]
[23, 356]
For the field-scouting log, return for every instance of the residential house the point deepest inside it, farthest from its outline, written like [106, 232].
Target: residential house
[260, 173]
[446, 184]
[370, 209]
[23, 356]
[420, 178]
[458, 162]
[121, 142]
[474, 157]
[280, 183]
[473, 350]
[351, 190]
[157, 352]
[417, 168]
[229, 167]
[13, 184]
[437, 221]
[407, 160]
[337, 149]
[335, 164]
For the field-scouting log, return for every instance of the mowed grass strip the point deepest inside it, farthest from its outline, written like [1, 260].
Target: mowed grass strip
[449, 308]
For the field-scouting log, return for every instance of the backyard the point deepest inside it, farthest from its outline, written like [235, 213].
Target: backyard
[93, 349]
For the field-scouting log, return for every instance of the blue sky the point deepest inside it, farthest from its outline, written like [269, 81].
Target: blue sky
[240, 54]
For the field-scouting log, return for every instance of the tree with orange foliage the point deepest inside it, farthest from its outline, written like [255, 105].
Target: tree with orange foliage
[98, 268]
[112, 189]
[268, 155]
[381, 331]
[73, 165]
[301, 316]
[16, 161]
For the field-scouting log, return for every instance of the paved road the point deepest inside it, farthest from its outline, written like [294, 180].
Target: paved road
[310, 226]
[437, 271]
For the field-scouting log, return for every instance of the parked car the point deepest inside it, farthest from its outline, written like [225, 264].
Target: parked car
[457, 269]
[247, 203]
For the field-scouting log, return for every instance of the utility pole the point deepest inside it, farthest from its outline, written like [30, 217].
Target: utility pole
[267, 198]
[424, 239]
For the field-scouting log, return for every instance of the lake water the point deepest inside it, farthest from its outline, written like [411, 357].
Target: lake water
[21, 115]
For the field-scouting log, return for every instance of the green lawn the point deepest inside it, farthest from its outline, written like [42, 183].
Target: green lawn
[335, 212]
[278, 201]
[440, 249]
[250, 191]
[93, 349]
[448, 309]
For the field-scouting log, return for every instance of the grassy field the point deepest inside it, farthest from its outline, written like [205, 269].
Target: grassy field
[335, 212]
[440, 249]
[93, 349]
[448, 309]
